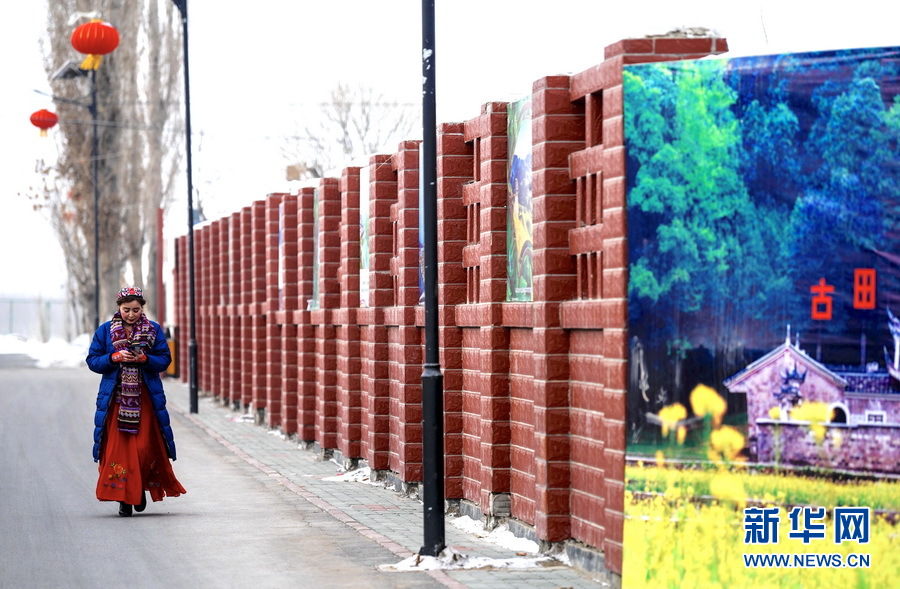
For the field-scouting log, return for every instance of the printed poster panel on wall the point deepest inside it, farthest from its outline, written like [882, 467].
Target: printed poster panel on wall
[313, 302]
[519, 236]
[364, 236]
[763, 420]
[281, 261]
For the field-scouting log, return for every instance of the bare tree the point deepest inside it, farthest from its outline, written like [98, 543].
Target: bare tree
[355, 122]
[152, 175]
[138, 152]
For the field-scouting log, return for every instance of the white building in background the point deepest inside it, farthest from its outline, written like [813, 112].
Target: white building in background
[37, 318]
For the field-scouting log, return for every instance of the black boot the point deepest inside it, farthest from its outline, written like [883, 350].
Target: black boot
[143, 504]
[124, 509]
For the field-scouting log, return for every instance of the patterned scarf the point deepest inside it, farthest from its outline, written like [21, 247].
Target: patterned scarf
[130, 376]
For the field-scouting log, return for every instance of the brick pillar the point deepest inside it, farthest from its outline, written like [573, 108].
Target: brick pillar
[272, 352]
[200, 322]
[286, 373]
[221, 309]
[374, 382]
[257, 327]
[405, 352]
[307, 229]
[234, 311]
[348, 361]
[454, 169]
[181, 318]
[216, 319]
[329, 256]
[486, 400]
[203, 257]
[556, 125]
[597, 316]
[246, 302]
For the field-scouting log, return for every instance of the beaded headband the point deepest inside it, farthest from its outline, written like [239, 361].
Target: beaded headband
[131, 291]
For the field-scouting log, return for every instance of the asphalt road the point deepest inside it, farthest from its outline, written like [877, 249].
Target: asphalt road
[235, 527]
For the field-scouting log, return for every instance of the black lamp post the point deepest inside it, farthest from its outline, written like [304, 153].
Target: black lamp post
[192, 336]
[67, 72]
[432, 378]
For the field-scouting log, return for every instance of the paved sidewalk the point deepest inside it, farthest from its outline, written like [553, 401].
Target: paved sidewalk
[378, 513]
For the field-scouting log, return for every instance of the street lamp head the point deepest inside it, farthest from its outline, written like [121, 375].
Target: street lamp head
[69, 71]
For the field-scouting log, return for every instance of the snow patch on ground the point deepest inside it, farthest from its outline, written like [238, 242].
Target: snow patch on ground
[450, 559]
[55, 353]
[501, 535]
[358, 475]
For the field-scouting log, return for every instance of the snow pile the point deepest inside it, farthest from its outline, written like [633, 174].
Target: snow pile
[501, 535]
[450, 559]
[358, 475]
[56, 353]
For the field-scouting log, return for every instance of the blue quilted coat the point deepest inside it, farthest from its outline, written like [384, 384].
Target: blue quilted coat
[158, 359]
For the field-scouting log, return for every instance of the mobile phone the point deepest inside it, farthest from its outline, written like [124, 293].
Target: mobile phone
[137, 349]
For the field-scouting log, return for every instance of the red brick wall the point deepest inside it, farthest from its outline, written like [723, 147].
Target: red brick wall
[534, 393]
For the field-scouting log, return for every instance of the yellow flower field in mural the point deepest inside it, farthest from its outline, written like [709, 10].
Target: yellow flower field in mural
[686, 524]
[674, 541]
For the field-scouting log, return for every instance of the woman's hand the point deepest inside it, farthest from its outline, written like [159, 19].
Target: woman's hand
[125, 356]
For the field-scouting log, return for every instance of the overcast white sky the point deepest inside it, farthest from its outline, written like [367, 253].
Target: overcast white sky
[253, 71]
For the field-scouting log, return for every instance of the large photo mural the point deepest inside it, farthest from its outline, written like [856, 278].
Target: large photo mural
[763, 199]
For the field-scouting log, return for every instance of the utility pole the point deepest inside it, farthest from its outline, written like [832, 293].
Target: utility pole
[192, 330]
[432, 379]
[95, 163]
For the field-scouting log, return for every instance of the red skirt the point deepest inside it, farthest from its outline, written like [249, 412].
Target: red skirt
[133, 463]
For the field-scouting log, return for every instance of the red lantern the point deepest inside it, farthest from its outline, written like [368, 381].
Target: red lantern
[43, 119]
[95, 38]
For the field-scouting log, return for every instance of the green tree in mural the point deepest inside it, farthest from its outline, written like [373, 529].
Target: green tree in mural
[711, 250]
[749, 180]
[771, 160]
[688, 179]
[842, 209]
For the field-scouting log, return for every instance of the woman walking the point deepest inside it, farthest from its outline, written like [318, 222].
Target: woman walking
[133, 439]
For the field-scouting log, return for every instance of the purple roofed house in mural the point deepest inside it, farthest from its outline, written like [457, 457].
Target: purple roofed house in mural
[864, 409]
